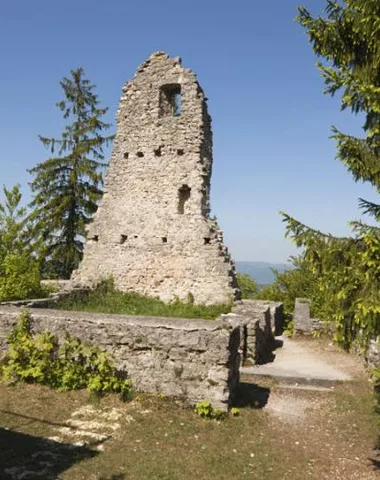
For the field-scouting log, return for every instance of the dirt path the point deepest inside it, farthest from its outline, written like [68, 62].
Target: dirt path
[320, 406]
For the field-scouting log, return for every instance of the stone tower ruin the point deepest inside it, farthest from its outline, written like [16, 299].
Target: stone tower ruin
[152, 231]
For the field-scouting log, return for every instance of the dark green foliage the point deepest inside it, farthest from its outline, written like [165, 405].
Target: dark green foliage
[68, 186]
[19, 270]
[104, 298]
[247, 285]
[70, 366]
[347, 270]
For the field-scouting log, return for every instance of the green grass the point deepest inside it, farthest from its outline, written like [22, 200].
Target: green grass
[105, 299]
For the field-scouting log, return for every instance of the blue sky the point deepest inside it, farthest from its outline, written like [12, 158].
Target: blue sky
[271, 122]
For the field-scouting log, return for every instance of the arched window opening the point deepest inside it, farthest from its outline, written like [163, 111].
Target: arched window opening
[183, 197]
[170, 100]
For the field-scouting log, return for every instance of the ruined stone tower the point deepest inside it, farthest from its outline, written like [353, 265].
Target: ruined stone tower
[152, 231]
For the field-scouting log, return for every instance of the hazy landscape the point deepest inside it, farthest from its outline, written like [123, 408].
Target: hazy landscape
[260, 271]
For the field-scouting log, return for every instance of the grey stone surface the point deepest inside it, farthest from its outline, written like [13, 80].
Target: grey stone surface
[258, 322]
[153, 232]
[193, 359]
[299, 363]
[302, 320]
[373, 353]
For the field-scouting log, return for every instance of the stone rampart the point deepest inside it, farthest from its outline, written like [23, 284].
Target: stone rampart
[194, 359]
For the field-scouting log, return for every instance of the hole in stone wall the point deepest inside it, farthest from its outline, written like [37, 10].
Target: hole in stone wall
[123, 239]
[95, 238]
[135, 236]
[126, 155]
[183, 197]
[158, 152]
[170, 100]
[207, 240]
[140, 154]
[180, 151]
[164, 239]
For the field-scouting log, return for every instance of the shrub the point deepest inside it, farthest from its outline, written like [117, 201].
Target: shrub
[247, 285]
[19, 277]
[73, 365]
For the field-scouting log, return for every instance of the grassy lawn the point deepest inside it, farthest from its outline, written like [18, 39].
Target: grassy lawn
[104, 299]
[69, 436]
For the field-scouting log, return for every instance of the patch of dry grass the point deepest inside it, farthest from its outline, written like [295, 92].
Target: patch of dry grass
[154, 438]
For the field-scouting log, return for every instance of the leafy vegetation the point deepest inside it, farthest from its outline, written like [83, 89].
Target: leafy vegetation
[205, 410]
[346, 271]
[19, 270]
[247, 285]
[68, 186]
[70, 366]
[296, 282]
[105, 299]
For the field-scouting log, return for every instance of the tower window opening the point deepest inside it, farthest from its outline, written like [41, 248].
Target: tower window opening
[158, 152]
[170, 100]
[180, 151]
[140, 154]
[126, 155]
[183, 197]
[164, 239]
[207, 240]
[123, 239]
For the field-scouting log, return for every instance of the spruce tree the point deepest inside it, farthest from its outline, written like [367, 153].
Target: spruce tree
[68, 186]
[347, 270]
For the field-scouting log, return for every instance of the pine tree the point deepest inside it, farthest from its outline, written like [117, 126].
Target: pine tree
[348, 269]
[68, 186]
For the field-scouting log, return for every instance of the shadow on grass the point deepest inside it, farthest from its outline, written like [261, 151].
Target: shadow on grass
[28, 457]
[251, 395]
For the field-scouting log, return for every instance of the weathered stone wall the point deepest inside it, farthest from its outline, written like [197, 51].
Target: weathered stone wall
[152, 231]
[194, 359]
[260, 321]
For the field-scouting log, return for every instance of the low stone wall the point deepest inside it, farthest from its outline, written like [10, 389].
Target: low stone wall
[260, 321]
[194, 359]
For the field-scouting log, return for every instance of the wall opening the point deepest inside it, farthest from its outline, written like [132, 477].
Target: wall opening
[123, 239]
[170, 100]
[183, 197]
[126, 155]
[158, 152]
[207, 240]
[180, 151]
[164, 239]
[140, 154]
[95, 238]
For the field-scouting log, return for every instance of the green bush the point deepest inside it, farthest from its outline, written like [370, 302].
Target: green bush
[70, 366]
[247, 285]
[296, 282]
[19, 277]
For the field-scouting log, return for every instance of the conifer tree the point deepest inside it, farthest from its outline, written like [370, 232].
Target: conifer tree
[347, 270]
[68, 186]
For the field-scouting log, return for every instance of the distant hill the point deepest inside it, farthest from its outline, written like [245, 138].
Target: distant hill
[261, 271]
